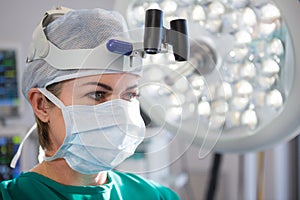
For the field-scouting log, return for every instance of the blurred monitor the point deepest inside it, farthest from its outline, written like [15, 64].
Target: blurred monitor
[9, 92]
[8, 147]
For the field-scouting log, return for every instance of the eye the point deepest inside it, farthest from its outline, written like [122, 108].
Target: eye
[130, 96]
[98, 95]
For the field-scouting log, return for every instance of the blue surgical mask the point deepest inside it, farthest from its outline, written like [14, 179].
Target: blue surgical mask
[98, 137]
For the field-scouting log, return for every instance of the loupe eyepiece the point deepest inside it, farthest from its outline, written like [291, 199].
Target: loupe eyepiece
[156, 34]
[153, 31]
[181, 47]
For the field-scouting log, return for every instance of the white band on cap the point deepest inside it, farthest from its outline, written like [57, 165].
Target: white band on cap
[99, 58]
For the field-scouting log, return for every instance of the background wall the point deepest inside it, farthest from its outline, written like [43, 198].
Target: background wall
[17, 21]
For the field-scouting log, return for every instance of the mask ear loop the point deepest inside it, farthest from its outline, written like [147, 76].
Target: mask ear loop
[52, 97]
[54, 100]
[18, 154]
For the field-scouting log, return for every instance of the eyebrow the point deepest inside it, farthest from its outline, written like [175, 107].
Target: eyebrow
[107, 87]
[132, 87]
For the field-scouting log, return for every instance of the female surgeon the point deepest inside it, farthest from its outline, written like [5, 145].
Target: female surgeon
[84, 98]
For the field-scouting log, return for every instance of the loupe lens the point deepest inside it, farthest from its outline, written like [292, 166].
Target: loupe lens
[153, 31]
[180, 44]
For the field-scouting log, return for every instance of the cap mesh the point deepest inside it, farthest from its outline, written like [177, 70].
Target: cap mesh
[78, 29]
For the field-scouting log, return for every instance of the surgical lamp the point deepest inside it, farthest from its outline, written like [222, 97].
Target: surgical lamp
[238, 91]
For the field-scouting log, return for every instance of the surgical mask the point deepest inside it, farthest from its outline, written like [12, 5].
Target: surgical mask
[98, 137]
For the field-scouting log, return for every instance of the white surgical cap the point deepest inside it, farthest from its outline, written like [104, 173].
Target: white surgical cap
[78, 29]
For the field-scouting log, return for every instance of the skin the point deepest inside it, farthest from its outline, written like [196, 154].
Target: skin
[89, 90]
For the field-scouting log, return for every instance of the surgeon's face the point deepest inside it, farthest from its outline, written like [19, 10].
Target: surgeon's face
[97, 89]
[89, 90]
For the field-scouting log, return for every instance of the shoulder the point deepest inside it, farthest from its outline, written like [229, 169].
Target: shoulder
[140, 186]
[19, 188]
[8, 189]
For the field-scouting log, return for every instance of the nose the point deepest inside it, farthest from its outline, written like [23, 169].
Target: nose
[113, 96]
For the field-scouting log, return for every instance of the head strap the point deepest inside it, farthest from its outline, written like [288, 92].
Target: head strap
[97, 58]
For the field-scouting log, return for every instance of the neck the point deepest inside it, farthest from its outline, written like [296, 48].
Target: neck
[59, 171]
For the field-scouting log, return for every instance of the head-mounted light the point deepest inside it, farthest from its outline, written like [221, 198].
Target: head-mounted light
[110, 55]
[118, 53]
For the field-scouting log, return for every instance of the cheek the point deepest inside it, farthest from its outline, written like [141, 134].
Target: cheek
[58, 131]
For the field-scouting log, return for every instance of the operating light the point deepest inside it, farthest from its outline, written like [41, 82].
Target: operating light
[239, 77]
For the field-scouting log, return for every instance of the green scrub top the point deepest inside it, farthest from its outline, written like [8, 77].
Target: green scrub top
[121, 186]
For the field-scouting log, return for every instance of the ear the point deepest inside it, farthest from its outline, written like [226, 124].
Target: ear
[39, 104]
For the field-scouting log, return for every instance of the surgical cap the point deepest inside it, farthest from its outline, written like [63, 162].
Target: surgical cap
[78, 29]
